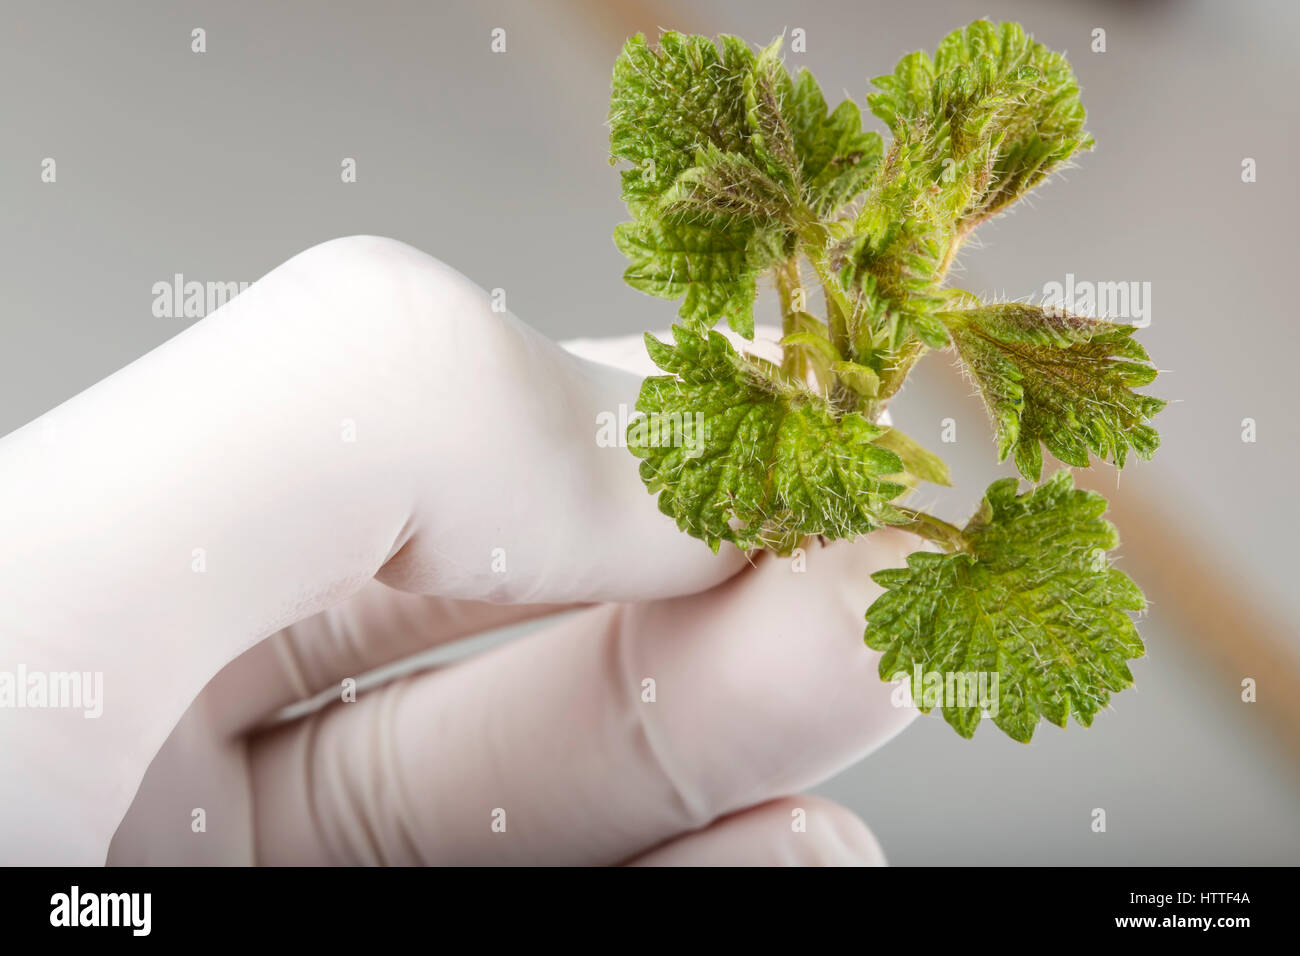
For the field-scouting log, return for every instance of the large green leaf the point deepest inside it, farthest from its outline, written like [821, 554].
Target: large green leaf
[1060, 379]
[736, 455]
[1034, 602]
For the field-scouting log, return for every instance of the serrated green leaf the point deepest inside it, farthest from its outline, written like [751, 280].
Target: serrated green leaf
[984, 121]
[668, 104]
[1034, 601]
[836, 156]
[710, 267]
[722, 140]
[1061, 379]
[708, 220]
[736, 455]
[727, 191]
[767, 90]
[825, 157]
[991, 116]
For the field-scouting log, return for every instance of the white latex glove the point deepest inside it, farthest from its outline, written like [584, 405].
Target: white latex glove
[199, 529]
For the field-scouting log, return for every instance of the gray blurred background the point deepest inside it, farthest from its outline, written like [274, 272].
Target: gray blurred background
[220, 165]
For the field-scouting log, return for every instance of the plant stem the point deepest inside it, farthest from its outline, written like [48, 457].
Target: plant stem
[947, 536]
[838, 307]
[957, 240]
[788, 288]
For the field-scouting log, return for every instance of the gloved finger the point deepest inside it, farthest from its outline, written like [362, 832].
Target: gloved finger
[599, 737]
[373, 628]
[791, 831]
[380, 625]
[360, 409]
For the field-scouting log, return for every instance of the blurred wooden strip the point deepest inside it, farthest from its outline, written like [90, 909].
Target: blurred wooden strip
[624, 18]
[1206, 602]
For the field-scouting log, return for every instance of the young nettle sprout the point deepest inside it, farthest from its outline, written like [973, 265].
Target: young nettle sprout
[737, 171]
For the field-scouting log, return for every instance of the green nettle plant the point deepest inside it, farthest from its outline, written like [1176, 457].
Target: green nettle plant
[739, 171]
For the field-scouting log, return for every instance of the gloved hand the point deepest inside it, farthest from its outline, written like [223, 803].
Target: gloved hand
[361, 459]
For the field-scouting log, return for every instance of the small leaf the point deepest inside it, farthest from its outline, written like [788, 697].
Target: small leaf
[836, 157]
[710, 267]
[860, 378]
[1061, 379]
[1035, 603]
[725, 191]
[815, 343]
[767, 89]
[669, 103]
[987, 119]
[917, 461]
[990, 117]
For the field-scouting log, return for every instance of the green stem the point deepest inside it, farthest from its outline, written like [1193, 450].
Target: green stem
[787, 286]
[838, 306]
[947, 536]
[815, 238]
[959, 237]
